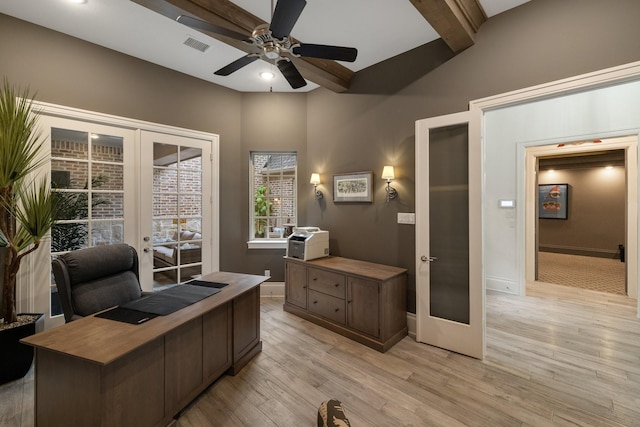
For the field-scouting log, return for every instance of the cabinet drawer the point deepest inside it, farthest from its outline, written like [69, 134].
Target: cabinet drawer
[327, 282]
[327, 306]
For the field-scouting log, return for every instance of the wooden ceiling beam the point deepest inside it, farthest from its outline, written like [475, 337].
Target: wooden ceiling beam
[456, 21]
[326, 73]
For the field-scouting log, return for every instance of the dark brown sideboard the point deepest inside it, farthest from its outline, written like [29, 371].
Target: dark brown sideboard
[99, 372]
[363, 301]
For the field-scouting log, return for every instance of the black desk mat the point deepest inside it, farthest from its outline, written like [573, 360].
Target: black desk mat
[126, 315]
[171, 300]
[206, 283]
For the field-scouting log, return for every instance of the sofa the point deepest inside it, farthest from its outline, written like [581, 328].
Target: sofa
[166, 255]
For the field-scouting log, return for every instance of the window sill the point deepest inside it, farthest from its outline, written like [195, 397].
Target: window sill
[267, 244]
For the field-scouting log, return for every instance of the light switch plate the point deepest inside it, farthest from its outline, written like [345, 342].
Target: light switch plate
[406, 218]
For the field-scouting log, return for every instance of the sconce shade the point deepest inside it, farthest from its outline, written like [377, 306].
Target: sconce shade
[315, 179]
[387, 173]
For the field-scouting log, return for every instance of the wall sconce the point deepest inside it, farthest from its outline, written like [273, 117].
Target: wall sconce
[389, 175]
[315, 180]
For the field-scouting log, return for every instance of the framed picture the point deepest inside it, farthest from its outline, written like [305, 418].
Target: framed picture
[553, 201]
[353, 187]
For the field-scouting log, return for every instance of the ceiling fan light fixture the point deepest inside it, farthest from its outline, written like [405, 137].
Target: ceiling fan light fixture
[272, 52]
[267, 75]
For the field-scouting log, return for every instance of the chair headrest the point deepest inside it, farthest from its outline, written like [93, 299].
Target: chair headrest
[98, 261]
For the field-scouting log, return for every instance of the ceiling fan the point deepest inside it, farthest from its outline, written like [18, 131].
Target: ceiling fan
[270, 41]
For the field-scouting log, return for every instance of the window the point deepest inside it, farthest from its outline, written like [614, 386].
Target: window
[273, 196]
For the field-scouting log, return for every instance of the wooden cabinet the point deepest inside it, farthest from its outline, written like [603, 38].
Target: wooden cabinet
[296, 285]
[360, 300]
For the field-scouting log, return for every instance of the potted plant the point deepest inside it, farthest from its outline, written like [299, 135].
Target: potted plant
[27, 213]
[263, 208]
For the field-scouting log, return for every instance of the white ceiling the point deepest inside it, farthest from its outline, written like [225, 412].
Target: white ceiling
[379, 29]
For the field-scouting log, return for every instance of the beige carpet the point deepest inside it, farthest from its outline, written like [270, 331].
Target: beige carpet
[597, 274]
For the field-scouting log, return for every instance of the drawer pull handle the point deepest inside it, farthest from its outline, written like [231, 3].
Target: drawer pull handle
[337, 284]
[337, 310]
[304, 287]
[315, 302]
[315, 278]
[349, 302]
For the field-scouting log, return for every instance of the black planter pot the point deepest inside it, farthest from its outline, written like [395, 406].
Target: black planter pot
[16, 358]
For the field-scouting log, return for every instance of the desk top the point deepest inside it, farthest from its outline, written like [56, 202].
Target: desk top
[355, 267]
[102, 341]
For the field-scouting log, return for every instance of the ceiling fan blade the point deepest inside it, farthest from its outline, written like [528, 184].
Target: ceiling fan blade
[291, 73]
[338, 53]
[236, 65]
[285, 17]
[207, 26]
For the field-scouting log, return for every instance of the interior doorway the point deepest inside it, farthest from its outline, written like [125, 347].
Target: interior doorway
[576, 237]
[581, 219]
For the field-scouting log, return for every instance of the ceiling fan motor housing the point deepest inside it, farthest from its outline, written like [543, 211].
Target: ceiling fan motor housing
[271, 41]
[271, 47]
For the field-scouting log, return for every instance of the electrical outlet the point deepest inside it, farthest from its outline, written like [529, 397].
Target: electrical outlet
[267, 273]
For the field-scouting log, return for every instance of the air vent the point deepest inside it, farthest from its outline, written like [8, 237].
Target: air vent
[196, 44]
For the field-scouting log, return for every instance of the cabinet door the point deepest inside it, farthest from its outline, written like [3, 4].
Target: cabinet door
[246, 323]
[183, 365]
[296, 284]
[363, 306]
[217, 342]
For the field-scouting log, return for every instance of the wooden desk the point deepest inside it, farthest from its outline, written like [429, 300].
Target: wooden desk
[99, 372]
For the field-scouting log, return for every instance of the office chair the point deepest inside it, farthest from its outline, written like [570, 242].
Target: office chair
[93, 279]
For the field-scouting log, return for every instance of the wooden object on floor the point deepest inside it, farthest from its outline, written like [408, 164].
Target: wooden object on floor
[98, 372]
[364, 301]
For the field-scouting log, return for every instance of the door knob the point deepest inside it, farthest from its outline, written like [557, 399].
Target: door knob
[425, 258]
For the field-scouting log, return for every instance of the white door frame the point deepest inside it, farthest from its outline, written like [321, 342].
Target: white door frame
[630, 145]
[594, 80]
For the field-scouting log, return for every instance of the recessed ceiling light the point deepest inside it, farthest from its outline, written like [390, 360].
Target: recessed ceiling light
[267, 75]
[77, 1]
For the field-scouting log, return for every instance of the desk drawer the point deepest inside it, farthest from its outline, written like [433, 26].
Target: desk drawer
[327, 306]
[327, 282]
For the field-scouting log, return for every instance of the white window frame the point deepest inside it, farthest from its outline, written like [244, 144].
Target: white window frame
[268, 242]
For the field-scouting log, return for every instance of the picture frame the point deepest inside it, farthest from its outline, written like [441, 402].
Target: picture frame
[553, 201]
[354, 187]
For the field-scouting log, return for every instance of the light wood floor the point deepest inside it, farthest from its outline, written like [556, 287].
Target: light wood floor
[557, 357]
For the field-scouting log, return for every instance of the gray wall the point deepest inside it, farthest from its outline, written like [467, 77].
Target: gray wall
[538, 42]
[595, 223]
[541, 41]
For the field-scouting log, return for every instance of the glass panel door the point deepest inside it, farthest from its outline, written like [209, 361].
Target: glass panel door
[449, 211]
[176, 209]
[89, 174]
[450, 303]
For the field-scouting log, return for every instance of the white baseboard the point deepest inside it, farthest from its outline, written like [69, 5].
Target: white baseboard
[411, 324]
[272, 290]
[501, 285]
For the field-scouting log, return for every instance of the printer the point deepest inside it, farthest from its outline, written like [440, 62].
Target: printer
[307, 243]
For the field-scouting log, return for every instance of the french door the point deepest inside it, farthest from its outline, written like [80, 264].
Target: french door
[122, 182]
[450, 299]
[175, 209]
[91, 172]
